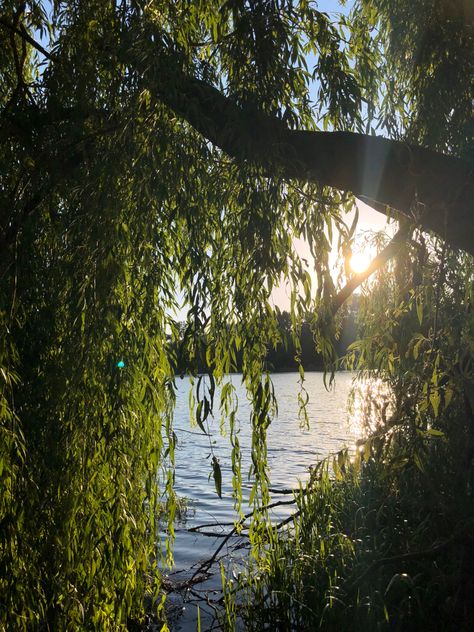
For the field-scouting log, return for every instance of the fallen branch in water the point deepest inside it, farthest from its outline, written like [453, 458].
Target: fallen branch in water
[288, 520]
[278, 503]
[206, 565]
[210, 524]
[213, 534]
[170, 586]
[286, 491]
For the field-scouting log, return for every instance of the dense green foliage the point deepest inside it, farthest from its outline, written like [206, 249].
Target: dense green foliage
[370, 552]
[114, 210]
[383, 535]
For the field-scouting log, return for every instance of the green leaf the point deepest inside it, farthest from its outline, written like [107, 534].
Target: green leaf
[217, 475]
[199, 419]
[448, 395]
[435, 400]
[419, 309]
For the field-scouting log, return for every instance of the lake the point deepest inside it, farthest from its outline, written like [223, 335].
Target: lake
[291, 450]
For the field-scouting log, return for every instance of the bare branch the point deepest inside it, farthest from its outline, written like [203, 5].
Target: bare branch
[206, 565]
[25, 36]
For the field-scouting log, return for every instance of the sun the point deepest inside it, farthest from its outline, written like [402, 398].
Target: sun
[360, 261]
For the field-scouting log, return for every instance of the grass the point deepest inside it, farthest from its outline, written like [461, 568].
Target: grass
[376, 550]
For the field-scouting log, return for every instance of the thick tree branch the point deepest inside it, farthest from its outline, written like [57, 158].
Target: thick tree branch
[434, 190]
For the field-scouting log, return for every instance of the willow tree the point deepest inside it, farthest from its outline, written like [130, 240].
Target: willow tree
[151, 150]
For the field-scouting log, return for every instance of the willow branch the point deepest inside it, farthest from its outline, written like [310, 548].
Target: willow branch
[67, 162]
[25, 36]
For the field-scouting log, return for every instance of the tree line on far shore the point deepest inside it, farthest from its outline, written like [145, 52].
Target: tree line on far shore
[282, 356]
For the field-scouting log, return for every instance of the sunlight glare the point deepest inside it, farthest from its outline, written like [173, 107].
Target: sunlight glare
[360, 261]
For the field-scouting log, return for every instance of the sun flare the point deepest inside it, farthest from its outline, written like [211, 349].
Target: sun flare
[360, 261]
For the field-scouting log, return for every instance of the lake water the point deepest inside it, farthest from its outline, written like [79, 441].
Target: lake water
[291, 450]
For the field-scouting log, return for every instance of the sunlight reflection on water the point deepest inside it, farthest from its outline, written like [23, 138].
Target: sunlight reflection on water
[368, 406]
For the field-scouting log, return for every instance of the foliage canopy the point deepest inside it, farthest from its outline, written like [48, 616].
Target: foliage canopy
[130, 179]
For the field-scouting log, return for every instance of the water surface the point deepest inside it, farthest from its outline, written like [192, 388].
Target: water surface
[291, 451]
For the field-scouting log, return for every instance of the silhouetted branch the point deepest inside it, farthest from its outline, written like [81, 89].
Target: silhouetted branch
[377, 262]
[25, 36]
[434, 190]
